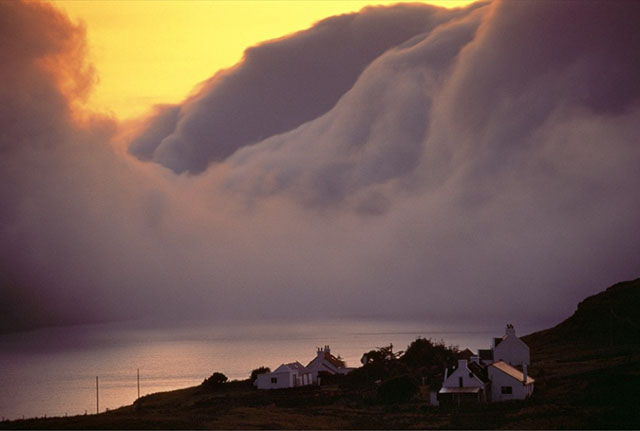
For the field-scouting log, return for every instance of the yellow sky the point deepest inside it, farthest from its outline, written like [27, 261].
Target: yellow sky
[149, 52]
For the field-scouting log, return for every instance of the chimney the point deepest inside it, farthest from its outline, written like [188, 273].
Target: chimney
[510, 331]
[462, 363]
[524, 373]
[475, 359]
[327, 349]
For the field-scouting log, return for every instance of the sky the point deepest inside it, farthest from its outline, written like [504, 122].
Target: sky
[473, 165]
[141, 62]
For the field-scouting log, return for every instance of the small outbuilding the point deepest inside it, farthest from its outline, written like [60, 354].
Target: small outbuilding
[288, 375]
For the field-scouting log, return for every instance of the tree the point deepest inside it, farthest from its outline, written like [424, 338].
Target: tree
[261, 370]
[378, 365]
[381, 355]
[423, 353]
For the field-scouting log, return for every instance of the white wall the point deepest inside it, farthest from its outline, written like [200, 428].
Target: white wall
[320, 364]
[513, 351]
[469, 380]
[283, 380]
[500, 379]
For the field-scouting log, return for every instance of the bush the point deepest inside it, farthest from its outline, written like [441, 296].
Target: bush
[216, 379]
[397, 390]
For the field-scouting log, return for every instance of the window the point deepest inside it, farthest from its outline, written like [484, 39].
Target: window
[460, 382]
[506, 389]
[274, 380]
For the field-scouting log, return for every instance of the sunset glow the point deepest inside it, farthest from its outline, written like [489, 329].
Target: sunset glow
[147, 52]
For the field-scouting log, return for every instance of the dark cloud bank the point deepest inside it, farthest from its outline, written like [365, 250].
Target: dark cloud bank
[468, 166]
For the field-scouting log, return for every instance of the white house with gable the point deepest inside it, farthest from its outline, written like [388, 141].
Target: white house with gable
[285, 376]
[509, 383]
[295, 374]
[325, 361]
[509, 349]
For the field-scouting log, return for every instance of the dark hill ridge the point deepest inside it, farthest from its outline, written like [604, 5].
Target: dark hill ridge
[608, 319]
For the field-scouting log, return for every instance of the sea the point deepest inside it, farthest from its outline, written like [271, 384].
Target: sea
[52, 371]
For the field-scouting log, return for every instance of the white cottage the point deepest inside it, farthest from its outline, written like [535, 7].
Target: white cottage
[509, 383]
[285, 376]
[325, 361]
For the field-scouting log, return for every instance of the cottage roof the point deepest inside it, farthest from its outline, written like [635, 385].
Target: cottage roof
[334, 361]
[511, 371]
[479, 371]
[291, 366]
[465, 390]
[296, 366]
[330, 359]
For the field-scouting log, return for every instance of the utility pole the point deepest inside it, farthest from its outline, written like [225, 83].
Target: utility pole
[97, 397]
[138, 383]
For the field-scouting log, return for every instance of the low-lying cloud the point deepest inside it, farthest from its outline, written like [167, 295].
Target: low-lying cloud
[470, 166]
[278, 85]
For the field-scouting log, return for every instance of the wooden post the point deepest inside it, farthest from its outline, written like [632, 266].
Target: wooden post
[97, 397]
[138, 383]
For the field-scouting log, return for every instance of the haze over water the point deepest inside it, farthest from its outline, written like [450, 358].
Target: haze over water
[52, 371]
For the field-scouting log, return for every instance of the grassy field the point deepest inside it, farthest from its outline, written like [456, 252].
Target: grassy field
[584, 380]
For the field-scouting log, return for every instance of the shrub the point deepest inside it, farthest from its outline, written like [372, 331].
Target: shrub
[216, 379]
[397, 390]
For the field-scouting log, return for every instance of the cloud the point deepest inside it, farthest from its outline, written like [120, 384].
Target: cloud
[372, 137]
[475, 167]
[497, 146]
[278, 86]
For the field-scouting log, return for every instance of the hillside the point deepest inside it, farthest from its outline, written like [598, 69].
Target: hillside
[587, 372]
[608, 319]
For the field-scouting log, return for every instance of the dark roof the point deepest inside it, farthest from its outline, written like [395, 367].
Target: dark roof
[335, 362]
[485, 354]
[479, 371]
